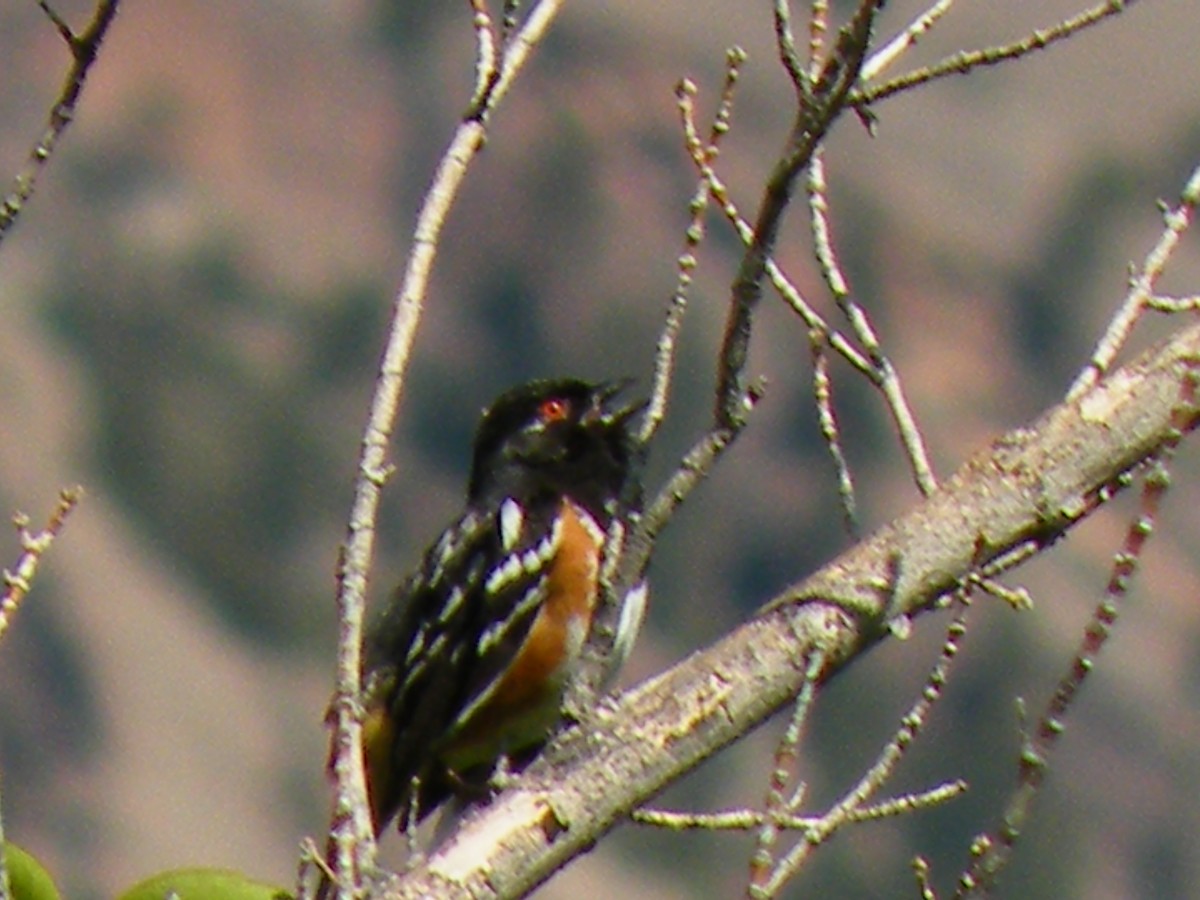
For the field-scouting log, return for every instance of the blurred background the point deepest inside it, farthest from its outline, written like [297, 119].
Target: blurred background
[194, 304]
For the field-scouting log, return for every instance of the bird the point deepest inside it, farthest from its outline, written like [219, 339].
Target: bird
[467, 665]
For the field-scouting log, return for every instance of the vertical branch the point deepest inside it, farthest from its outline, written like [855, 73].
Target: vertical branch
[5, 885]
[664, 356]
[785, 44]
[813, 118]
[351, 827]
[787, 291]
[823, 399]
[818, 26]
[885, 376]
[779, 804]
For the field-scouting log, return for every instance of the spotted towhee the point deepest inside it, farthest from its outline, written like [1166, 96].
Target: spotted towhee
[469, 662]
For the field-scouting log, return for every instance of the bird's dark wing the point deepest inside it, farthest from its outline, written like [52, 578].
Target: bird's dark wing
[453, 627]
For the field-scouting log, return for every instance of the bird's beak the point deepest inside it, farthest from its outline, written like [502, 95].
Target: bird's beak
[609, 414]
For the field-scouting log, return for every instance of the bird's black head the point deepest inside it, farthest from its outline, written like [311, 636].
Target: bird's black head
[557, 437]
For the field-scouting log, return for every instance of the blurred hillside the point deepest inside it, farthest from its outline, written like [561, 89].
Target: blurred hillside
[194, 305]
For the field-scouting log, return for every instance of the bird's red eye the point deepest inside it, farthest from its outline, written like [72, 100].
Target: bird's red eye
[553, 409]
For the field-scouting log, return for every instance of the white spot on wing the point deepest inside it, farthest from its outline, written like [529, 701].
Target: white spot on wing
[523, 564]
[451, 606]
[415, 649]
[503, 574]
[497, 631]
[633, 610]
[512, 520]
[447, 542]
[595, 532]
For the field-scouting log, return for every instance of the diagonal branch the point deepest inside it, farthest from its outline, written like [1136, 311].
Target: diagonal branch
[84, 47]
[969, 60]
[1030, 486]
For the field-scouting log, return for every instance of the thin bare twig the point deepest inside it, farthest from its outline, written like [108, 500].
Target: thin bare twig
[843, 812]
[818, 27]
[486, 70]
[1173, 305]
[631, 541]
[19, 579]
[695, 465]
[84, 48]
[664, 356]
[1141, 288]
[906, 39]
[17, 583]
[779, 280]
[637, 542]
[922, 873]
[747, 819]
[823, 399]
[785, 44]
[778, 805]
[828, 97]
[969, 60]
[508, 21]
[886, 378]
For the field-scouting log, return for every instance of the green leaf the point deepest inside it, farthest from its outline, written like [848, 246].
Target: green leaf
[27, 877]
[204, 884]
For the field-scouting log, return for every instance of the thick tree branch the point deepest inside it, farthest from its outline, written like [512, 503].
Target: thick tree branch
[1029, 487]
